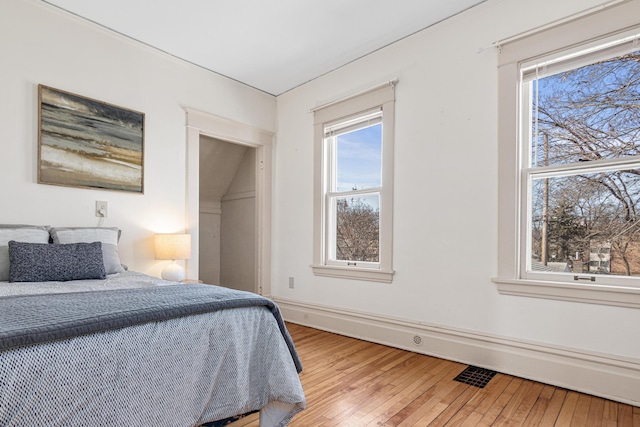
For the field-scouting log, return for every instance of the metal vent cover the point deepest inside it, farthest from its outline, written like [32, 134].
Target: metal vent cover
[475, 376]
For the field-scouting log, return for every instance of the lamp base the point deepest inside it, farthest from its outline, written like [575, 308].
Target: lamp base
[173, 272]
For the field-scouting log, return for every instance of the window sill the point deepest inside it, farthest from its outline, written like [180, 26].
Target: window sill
[576, 292]
[353, 273]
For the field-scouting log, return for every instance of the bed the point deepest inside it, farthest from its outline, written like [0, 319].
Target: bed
[131, 349]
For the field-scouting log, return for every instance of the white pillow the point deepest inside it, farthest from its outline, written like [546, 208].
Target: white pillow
[108, 236]
[19, 233]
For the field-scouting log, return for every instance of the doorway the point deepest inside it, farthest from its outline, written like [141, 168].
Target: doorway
[227, 252]
[241, 140]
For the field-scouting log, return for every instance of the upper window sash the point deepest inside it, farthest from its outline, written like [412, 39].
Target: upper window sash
[580, 57]
[340, 159]
[361, 121]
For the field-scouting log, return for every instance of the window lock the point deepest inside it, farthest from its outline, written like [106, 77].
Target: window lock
[593, 279]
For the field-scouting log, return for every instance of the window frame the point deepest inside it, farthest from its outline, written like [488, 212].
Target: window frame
[573, 35]
[531, 172]
[381, 97]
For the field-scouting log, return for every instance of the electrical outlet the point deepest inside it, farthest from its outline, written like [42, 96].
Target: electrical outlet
[291, 286]
[101, 209]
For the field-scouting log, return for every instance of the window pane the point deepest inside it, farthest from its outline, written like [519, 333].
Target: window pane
[358, 228]
[588, 113]
[587, 223]
[359, 156]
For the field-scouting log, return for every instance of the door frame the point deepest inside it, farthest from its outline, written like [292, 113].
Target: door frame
[200, 123]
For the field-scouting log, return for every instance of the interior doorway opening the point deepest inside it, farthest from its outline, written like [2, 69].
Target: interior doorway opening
[260, 144]
[227, 199]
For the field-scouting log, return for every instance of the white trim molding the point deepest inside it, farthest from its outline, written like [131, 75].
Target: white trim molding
[367, 274]
[620, 296]
[605, 375]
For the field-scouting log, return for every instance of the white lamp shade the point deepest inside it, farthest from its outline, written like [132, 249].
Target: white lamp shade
[173, 246]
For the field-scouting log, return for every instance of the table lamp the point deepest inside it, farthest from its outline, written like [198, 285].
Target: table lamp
[173, 247]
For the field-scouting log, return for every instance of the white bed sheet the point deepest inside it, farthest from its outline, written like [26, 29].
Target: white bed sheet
[126, 280]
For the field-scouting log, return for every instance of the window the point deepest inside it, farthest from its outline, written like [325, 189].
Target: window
[354, 184]
[580, 140]
[569, 159]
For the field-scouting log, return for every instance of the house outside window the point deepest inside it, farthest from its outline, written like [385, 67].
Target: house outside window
[353, 210]
[569, 161]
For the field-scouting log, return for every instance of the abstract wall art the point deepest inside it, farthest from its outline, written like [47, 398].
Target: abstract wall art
[87, 143]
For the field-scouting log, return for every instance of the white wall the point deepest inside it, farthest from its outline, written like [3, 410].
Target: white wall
[41, 44]
[445, 209]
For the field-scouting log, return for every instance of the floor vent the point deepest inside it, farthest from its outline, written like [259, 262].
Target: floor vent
[477, 377]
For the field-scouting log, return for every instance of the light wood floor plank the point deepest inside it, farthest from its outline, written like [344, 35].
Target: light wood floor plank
[493, 391]
[353, 383]
[428, 405]
[405, 395]
[365, 414]
[582, 411]
[484, 398]
[462, 395]
[534, 418]
[568, 408]
[596, 412]
[520, 405]
[625, 415]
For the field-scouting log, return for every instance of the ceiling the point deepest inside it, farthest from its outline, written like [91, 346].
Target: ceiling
[271, 45]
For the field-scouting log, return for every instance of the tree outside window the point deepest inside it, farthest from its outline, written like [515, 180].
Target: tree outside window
[584, 169]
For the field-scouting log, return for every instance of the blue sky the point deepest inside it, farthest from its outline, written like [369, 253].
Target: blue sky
[359, 155]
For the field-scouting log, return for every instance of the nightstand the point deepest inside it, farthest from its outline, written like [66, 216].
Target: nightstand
[191, 281]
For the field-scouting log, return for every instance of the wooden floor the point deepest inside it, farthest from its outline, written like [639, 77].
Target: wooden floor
[353, 383]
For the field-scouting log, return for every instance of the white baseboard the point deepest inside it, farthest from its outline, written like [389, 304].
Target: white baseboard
[608, 376]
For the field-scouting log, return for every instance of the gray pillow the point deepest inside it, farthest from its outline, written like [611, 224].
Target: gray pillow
[108, 236]
[43, 262]
[19, 233]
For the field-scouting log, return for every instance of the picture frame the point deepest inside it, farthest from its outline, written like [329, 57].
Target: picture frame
[86, 143]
